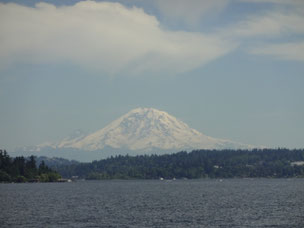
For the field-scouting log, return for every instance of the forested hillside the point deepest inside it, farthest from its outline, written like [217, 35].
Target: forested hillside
[276, 163]
[20, 169]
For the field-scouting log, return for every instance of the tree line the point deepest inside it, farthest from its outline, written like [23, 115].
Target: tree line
[274, 163]
[20, 169]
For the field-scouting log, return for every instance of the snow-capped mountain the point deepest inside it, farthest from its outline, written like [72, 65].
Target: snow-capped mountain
[145, 129]
[140, 131]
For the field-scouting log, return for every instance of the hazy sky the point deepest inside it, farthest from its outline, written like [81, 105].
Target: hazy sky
[231, 69]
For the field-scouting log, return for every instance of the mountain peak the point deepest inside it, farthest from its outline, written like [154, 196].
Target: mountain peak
[143, 110]
[146, 111]
[146, 129]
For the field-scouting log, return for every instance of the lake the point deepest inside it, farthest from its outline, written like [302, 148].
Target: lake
[155, 203]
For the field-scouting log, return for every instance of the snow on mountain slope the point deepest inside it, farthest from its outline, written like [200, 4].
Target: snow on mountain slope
[146, 129]
[72, 139]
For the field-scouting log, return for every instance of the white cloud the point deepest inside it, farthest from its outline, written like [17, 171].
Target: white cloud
[258, 32]
[100, 35]
[189, 12]
[284, 2]
[285, 51]
[272, 23]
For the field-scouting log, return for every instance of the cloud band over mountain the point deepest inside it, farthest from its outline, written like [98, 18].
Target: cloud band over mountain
[115, 39]
[105, 36]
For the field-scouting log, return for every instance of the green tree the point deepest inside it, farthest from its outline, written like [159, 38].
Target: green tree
[4, 177]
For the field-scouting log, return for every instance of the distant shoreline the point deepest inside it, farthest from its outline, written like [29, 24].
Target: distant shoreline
[164, 180]
[220, 164]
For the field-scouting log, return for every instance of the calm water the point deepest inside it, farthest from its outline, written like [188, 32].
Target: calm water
[187, 203]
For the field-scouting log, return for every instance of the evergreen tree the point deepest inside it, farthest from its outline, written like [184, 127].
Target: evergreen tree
[20, 169]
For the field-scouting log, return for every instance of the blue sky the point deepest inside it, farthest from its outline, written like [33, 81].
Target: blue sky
[229, 68]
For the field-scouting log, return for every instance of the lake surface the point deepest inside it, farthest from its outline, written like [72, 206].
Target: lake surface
[147, 203]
